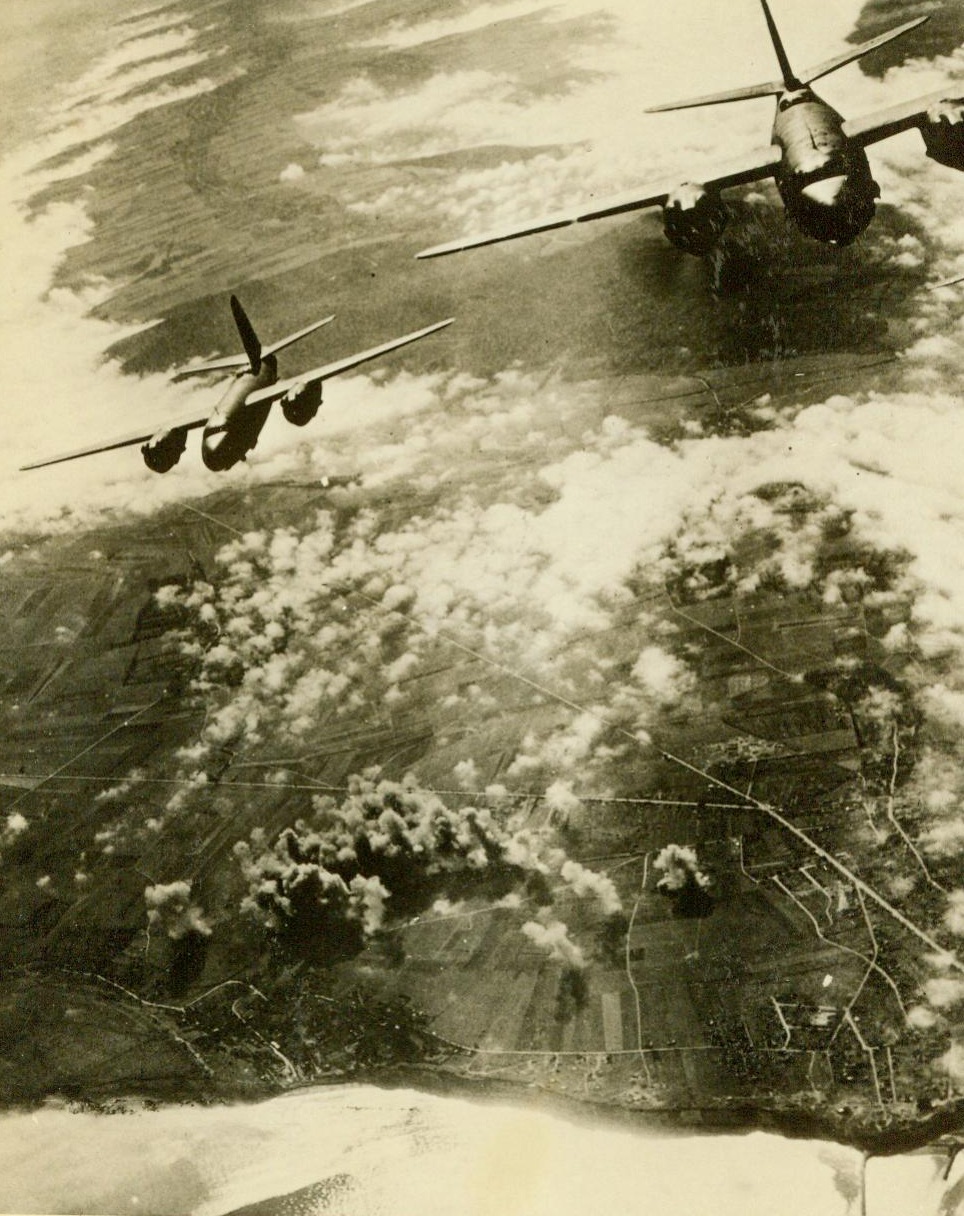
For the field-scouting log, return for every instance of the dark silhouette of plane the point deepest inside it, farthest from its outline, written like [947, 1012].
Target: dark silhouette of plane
[233, 428]
[815, 156]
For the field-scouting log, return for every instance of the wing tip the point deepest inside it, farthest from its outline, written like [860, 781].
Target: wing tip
[45, 464]
[945, 283]
[440, 251]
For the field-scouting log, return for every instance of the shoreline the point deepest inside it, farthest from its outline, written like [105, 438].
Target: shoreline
[726, 1116]
[734, 1116]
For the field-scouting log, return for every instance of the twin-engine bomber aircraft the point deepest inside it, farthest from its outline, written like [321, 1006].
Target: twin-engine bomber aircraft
[816, 157]
[232, 430]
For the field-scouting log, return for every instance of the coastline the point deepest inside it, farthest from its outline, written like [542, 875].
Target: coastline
[722, 1116]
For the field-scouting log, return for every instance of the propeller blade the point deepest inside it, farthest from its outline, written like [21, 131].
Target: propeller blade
[249, 339]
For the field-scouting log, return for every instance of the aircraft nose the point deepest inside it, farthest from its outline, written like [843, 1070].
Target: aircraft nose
[827, 192]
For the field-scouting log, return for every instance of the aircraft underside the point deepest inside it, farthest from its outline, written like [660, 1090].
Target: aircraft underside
[223, 447]
[834, 209]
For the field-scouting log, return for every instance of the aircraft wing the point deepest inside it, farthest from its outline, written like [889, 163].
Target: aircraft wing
[872, 128]
[185, 422]
[753, 167]
[275, 392]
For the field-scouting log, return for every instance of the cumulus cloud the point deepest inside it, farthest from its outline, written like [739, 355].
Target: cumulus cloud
[952, 1063]
[400, 34]
[169, 908]
[662, 675]
[921, 1018]
[589, 882]
[553, 938]
[679, 869]
[954, 913]
[561, 802]
[467, 774]
[14, 826]
[944, 991]
[945, 838]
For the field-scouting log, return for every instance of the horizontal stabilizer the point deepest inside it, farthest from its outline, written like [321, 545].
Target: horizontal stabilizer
[858, 52]
[293, 338]
[228, 363]
[790, 81]
[235, 362]
[772, 89]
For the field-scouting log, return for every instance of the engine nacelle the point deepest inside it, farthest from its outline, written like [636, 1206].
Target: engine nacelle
[943, 132]
[300, 405]
[162, 452]
[694, 218]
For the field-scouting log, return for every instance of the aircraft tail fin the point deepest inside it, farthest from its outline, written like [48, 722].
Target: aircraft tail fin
[789, 79]
[249, 339]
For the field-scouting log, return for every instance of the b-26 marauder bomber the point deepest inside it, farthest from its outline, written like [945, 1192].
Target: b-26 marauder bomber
[815, 156]
[233, 428]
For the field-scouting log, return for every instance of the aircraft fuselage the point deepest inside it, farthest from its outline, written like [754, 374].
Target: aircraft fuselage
[824, 178]
[233, 429]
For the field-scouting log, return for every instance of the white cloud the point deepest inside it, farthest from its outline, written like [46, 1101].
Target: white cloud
[678, 867]
[466, 773]
[944, 991]
[954, 913]
[169, 907]
[944, 838]
[554, 939]
[589, 882]
[400, 34]
[662, 675]
[561, 801]
[952, 1062]
[921, 1018]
